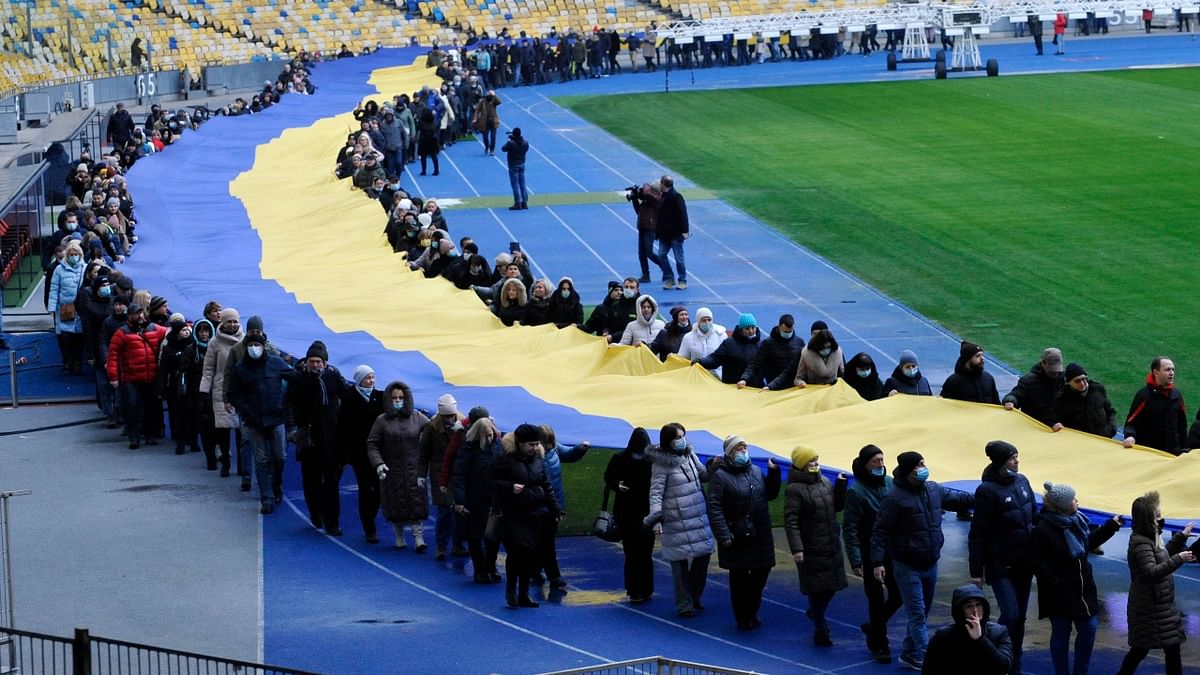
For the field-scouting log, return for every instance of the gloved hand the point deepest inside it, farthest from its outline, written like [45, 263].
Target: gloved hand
[381, 471]
[421, 482]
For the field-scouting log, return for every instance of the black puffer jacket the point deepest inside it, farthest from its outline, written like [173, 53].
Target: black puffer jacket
[774, 354]
[965, 384]
[522, 512]
[810, 520]
[355, 418]
[739, 515]
[1154, 620]
[1090, 411]
[913, 386]
[631, 506]
[1005, 513]
[668, 339]
[1157, 418]
[732, 356]
[1066, 587]
[909, 524]
[1035, 394]
[953, 651]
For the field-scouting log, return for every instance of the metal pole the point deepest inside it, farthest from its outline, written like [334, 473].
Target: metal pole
[111, 63]
[29, 30]
[12, 377]
[7, 561]
[71, 42]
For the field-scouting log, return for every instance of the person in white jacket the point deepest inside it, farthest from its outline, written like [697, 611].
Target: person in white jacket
[646, 326]
[704, 338]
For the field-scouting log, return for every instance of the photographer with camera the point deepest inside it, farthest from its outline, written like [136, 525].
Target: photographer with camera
[646, 200]
[516, 148]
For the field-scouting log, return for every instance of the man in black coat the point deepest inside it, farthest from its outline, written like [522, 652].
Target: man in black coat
[1035, 31]
[313, 404]
[1037, 390]
[972, 642]
[515, 150]
[969, 382]
[774, 354]
[672, 229]
[1083, 404]
[1157, 417]
[120, 127]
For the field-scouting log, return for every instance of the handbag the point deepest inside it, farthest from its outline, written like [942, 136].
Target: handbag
[494, 530]
[67, 312]
[604, 526]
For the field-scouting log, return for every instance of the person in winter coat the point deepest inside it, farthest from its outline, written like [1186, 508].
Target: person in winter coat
[95, 307]
[909, 529]
[359, 409]
[1154, 620]
[486, 120]
[472, 489]
[1037, 390]
[511, 306]
[907, 377]
[678, 513]
[1058, 551]
[537, 310]
[646, 326]
[435, 438]
[646, 202]
[65, 283]
[998, 544]
[871, 483]
[171, 382]
[810, 520]
[704, 338]
[628, 477]
[741, 522]
[555, 454]
[200, 405]
[565, 307]
[132, 370]
[774, 354]
[618, 308]
[1083, 404]
[1157, 417]
[524, 497]
[862, 375]
[669, 338]
[969, 381]
[820, 362]
[972, 641]
[671, 231]
[229, 334]
[736, 351]
[393, 448]
[427, 141]
[314, 400]
[255, 390]
[515, 150]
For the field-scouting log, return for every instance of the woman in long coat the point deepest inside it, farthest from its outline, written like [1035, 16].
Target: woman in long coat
[524, 496]
[393, 449]
[810, 520]
[741, 522]
[472, 489]
[360, 408]
[1154, 620]
[628, 477]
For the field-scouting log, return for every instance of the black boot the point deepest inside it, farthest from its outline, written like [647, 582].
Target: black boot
[510, 592]
[523, 599]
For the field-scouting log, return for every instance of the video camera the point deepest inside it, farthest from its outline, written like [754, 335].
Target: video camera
[633, 192]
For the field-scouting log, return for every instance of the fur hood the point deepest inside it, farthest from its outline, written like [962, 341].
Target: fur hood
[522, 297]
[407, 410]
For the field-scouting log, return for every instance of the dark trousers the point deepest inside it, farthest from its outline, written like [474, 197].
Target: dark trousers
[818, 603]
[1037, 42]
[646, 251]
[368, 495]
[483, 555]
[142, 410]
[320, 480]
[883, 601]
[435, 163]
[638, 544]
[519, 564]
[179, 412]
[745, 592]
[690, 577]
[1135, 655]
[547, 552]
[216, 446]
[489, 138]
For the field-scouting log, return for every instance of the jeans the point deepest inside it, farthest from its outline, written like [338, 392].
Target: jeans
[675, 247]
[1060, 643]
[269, 445]
[245, 455]
[489, 138]
[916, 592]
[516, 176]
[646, 253]
[104, 392]
[690, 577]
[1012, 599]
[393, 161]
[445, 529]
[142, 411]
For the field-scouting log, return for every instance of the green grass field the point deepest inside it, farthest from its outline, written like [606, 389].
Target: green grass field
[1019, 212]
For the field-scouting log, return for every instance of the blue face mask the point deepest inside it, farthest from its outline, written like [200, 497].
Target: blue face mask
[863, 372]
[565, 293]
[787, 334]
[365, 391]
[398, 405]
[105, 291]
[911, 371]
[741, 459]
[705, 327]
[679, 444]
[629, 293]
[881, 472]
[922, 474]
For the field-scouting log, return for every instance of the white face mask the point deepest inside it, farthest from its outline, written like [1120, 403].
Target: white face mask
[255, 351]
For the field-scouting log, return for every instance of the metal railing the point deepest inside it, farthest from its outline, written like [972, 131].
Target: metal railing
[652, 665]
[30, 653]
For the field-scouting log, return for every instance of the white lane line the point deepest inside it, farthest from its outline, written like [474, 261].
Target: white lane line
[575, 234]
[512, 237]
[412, 175]
[457, 170]
[446, 598]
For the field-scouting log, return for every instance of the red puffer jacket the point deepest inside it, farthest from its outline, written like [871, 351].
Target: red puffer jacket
[133, 356]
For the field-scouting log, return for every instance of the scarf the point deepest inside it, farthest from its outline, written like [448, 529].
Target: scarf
[1074, 530]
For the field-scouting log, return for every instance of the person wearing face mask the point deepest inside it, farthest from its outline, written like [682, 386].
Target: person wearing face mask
[359, 409]
[810, 521]
[393, 447]
[908, 528]
[199, 411]
[486, 119]
[628, 477]
[1083, 404]
[472, 489]
[972, 639]
[473, 272]
[524, 498]
[171, 382]
[1067, 595]
[969, 381]
[646, 326]
[229, 333]
[132, 368]
[618, 308]
[671, 336]
[65, 283]
[1154, 619]
[678, 513]
[741, 522]
[998, 544]
[862, 375]
[565, 307]
[313, 402]
[871, 483]
[820, 362]
[255, 388]
[774, 354]
[435, 439]
[115, 320]
[704, 338]
[736, 351]
[554, 455]
[96, 308]
[907, 377]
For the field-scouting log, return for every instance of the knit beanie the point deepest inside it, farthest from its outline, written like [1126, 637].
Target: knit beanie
[527, 433]
[255, 339]
[477, 413]
[360, 372]
[157, 303]
[908, 356]
[125, 283]
[255, 323]
[176, 321]
[817, 325]
[446, 405]
[747, 320]
[676, 310]
[1000, 451]
[803, 454]
[906, 463]
[1059, 497]
[968, 349]
[1073, 371]
[732, 442]
[230, 314]
[317, 348]
[868, 451]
